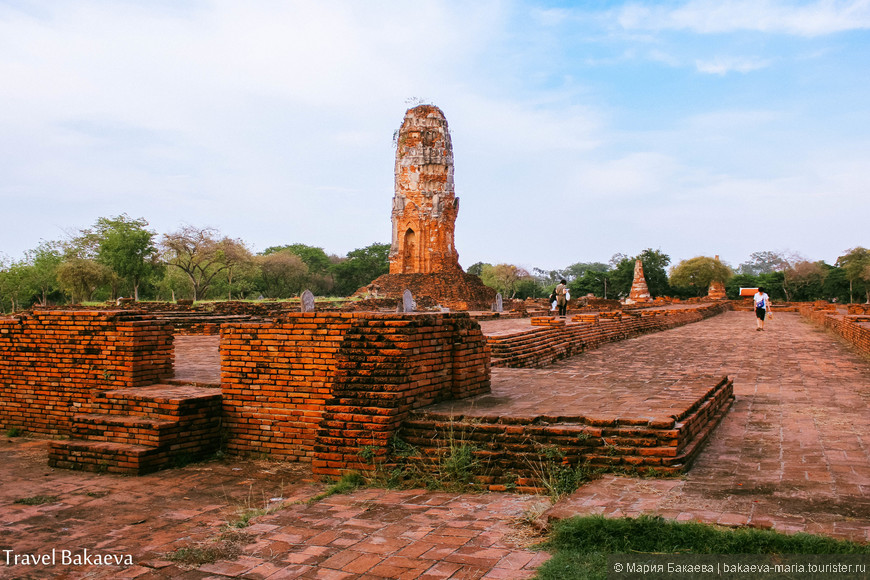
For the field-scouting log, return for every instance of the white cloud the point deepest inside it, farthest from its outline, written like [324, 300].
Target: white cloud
[725, 65]
[720, 16]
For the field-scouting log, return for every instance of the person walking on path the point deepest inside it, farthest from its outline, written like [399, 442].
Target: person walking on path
[762, 307]
[561, 299]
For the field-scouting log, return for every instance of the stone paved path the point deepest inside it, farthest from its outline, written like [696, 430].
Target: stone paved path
[794, 451]
[791, 454]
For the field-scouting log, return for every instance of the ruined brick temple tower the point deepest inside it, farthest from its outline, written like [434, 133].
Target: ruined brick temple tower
[424, 205]
[423, 256]
[639, 290]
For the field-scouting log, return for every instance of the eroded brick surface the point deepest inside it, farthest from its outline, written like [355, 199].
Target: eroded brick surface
[53, 361]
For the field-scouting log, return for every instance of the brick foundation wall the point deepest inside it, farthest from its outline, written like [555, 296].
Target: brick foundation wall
[53, 361]
[321, 386]
[551, 339]
[511, 450]
[854, 328]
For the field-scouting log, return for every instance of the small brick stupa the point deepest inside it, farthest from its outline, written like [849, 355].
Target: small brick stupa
[639, 291]
[717, 289]
[423, 257]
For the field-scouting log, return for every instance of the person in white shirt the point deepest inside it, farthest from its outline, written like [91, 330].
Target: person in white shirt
[762, 307]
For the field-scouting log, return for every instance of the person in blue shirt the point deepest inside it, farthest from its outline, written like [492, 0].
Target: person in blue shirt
[762, 307]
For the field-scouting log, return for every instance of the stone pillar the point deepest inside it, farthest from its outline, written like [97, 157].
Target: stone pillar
[639, 290]
[424, 204]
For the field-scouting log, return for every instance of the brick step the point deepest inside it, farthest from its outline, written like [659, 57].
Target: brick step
[523, 447]
[125, 429]
[109, 457]
[139, 430]
[162, 401]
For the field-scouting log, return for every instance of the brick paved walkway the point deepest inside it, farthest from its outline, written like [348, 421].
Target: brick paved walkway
[792, 453]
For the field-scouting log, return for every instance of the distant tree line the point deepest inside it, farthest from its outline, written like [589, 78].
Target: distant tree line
[120, 257]
[785, 276]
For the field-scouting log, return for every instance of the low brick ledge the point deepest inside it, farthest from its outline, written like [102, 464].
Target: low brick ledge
[511, 447]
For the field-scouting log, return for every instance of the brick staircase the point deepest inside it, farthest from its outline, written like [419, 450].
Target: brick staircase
[139, 430]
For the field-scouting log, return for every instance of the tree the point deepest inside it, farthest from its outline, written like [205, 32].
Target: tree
[763, 263]
[804, 280]
[127, 248]
[476, 269]
[856, 263]
[592, 282]
[236, 257]
[317, 261]
[698, 273]
[504, 278]
[361, 267]
[44, 262]
[80, 278]
[199, 253]
[282, 274]
[15, 287]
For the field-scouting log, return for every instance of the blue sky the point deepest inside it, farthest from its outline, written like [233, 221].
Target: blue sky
[580, 129]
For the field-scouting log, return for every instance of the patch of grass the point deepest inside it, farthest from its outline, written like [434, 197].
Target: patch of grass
[227, 547]
[37, 500]
[347, 483]
[556, 475]
[581, 545]
[14, 432]
[249, 509]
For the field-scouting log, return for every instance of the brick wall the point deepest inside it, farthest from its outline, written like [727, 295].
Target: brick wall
[53, 361]
[552, 339]
[854, 328]
[321, 386]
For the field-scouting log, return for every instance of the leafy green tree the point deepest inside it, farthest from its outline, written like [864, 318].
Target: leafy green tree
[836, 285]
[595, 282]
[773, 284]
[44, 262]
[698, 273]
[127, 248]
[805, 280]
[361, 267]
[856, 264]
[15, 287]
[763, 263]
[81, 277]
[504, 278]
[200, 253]
[529, 288]
[476, 269]
[315, 259]
[577, 270]
[282, 274]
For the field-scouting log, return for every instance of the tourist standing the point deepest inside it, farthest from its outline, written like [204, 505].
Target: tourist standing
[561, 298]
[762, 307]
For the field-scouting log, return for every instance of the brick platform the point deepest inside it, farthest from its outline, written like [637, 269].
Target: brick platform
[655, 424]
[137, 431]
[553, 338]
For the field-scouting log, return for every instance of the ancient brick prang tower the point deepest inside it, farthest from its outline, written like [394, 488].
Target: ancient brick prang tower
[717, 289]
[639, 290]
[424, 204]
[423, 257]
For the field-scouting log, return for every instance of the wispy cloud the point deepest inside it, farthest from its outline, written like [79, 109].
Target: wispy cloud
[773, 16]
[723, 66]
